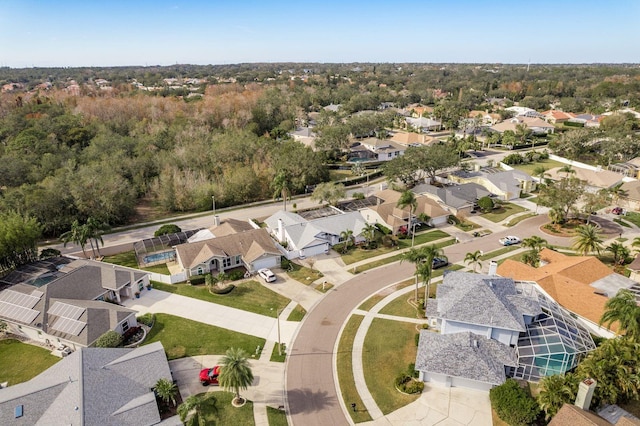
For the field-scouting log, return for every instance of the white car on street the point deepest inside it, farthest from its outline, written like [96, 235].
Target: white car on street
[267, 275]
[509, 240]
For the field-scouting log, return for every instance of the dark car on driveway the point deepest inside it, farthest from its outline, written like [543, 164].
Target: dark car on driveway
[439, 262]
[617, 210]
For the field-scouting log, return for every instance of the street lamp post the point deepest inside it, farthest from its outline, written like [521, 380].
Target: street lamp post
[213, 198]
[413, 234]
[279, 343]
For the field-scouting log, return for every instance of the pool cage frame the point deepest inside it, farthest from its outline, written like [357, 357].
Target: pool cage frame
[158, 245]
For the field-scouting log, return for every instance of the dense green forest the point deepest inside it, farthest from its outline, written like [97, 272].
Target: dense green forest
[101, 154]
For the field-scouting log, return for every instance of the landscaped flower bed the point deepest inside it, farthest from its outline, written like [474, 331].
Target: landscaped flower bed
[133, 336]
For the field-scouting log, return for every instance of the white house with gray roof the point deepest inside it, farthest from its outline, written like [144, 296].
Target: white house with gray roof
[92, 386]
[506, 184]
[454, 198]
[301, 237]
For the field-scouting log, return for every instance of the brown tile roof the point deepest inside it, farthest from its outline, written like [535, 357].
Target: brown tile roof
[600, 179]
[407, 138]
[570, 415]
[567, 279]
[230, 226]
[249, 244]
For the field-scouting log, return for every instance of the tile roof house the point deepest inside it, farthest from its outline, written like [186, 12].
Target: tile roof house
[302, 237]
[581, 284]
[508, 329]
[595, 179]
[411, 138]
[228, 226]
[71, 308]
[555, 116]
[91, 386]
[486, 118]
[424, 124]
[386, 212]
[253, 249]
[456, 198]
[535, 124]
[589, 120]
[507, 184]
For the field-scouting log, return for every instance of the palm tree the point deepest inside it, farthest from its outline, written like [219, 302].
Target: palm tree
[94, 230]
[235, 371]
[617, 192]
[623, 308]
[408, 199]
[77, 234]
[190, 411]
[166, 390]
[369, 233]
[430, 252]
[474, 258]
[535, 243]
[587, 240]
[347, 238]
[531, 258]
[282, 186]
[636, 243]
[415, 256]
[556, 215]
[540, 172]
[555, 391]
[619, 251]
[566, 169]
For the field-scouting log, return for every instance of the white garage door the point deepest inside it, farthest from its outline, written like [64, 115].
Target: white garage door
[267, 262]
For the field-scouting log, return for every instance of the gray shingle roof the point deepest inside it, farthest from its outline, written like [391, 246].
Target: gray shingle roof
[483, 300]
[456, 196]
[464, 355]
[92, 386]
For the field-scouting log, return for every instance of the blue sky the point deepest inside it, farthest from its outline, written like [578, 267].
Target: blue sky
[159, 32]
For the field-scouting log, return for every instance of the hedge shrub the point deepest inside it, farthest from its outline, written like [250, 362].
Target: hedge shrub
[110, 339]
[167, 229]
[147, 319]
[513, 404]
[228, 289]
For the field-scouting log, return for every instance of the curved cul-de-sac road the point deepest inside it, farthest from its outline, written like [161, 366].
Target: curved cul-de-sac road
[311, 392]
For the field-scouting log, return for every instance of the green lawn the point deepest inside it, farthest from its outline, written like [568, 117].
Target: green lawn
[374, 299]
[248, 295]
[506, 210]
[401, 306]
[345, 371]
[278, 355]
[128, 258]
[633, 217]
[371, 302]
[358, 254]
[392, 259]
[182, 337]
[297, 314]
[20, 362]
[517, 220]
[389, 348]
[221, 412]
[529, 168]
[301, 273]
[499, 252]
[338, 175]
[276, 417]
[323, 288]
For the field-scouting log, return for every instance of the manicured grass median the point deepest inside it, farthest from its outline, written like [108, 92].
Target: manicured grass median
[248, 295]
[401, 307]
[359, 254]
[20, 362]
[517, 220]
[278, 355]
[389, 348]
[182, 337]
[345, 371]
[394, 258]
[297, 314]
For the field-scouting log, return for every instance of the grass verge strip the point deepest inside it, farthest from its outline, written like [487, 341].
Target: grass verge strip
[20, 362]
[276, 417]
[345, 371]
[394, 258]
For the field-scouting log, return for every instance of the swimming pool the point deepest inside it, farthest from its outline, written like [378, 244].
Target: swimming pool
[158, 257]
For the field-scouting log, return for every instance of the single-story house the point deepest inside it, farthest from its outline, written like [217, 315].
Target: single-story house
[301, 237]
[411, 138]
[520, 111]
[536, 125]
[486, 118]
[580, 284]
[589, 120]
[454, 198]
[253, 250]
[382, 150]
[555, 116]
[387, 213]
[595, 179]
[631, 197]
[304, 135]
[630, 168]
[424, 124]
[70, 306]
[505, 184]
[91, 386]
[228, 226]
[497, 317]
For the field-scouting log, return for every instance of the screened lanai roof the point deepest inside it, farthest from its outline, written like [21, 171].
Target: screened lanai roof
[163, 242]
[552, 344]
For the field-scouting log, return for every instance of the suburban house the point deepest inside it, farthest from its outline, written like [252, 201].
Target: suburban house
[630, 168]
[91, 386]
[418, 110]
[486, 118]
[300, 237]
[595, 179]
[69, 305]
[374, 149]
[228, 226]
[505, 184]
[304, 135]
[520, 111]
[386, 212]
[423, 124]
[411, 138]
[580, 284]
[537, 125]
[253, 250]
[555, 116]
[454, 198]
[491, 328]
[588, 120]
